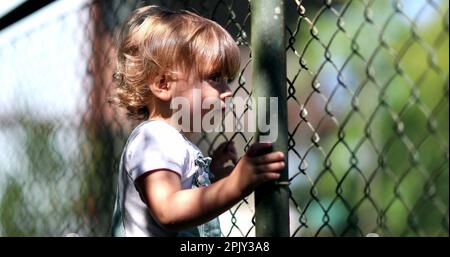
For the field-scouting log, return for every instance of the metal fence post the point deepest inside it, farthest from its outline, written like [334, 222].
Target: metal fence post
[269, 80]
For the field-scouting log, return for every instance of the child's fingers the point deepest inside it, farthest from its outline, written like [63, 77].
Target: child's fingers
[225, 157]
[268, 176]
[233, 157]
[268, 158]
[231, 147]
[271, 167]
[225, 147]
[221, 148]
[232, 153]
[257, 147]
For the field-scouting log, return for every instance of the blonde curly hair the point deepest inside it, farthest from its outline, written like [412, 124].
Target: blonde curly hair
[155, 41]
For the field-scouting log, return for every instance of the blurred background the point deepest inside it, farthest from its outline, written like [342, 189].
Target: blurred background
[368, 102]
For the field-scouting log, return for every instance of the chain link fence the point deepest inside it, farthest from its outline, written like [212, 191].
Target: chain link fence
[368, 101]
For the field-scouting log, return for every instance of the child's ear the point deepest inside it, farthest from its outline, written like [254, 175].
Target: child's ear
[161, 88]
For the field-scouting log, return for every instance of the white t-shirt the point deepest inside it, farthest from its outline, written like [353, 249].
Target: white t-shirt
[152, 145]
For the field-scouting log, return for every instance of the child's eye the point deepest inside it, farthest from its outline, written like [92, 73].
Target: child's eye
[219, 79]
[215, 78]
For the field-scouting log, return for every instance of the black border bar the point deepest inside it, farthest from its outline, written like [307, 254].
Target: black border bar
[22, 11]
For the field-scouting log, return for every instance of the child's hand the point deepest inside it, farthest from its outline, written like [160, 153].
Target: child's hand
[224, 153]
[257, 167]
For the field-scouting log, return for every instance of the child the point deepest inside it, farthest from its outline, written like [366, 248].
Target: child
[164, 187]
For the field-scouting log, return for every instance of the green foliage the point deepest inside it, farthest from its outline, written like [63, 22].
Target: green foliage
[390, 169]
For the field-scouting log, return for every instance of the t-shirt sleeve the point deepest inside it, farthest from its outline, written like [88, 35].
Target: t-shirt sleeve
[156, 147]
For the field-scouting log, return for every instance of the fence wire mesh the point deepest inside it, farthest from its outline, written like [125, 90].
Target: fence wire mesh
[368, 101]
[369, 98]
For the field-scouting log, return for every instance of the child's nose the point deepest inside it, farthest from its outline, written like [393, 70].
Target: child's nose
[226, 93]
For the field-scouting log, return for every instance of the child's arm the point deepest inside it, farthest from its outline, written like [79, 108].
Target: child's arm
[178, 209]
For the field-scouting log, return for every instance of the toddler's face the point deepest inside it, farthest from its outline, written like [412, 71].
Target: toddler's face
[215, 87]
[204, 94]
[209, 88]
